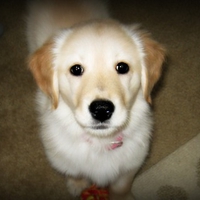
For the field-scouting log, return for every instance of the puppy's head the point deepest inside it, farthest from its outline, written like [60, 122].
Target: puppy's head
[98, 69]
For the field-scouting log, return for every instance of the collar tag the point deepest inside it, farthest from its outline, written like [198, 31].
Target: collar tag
[117, 143]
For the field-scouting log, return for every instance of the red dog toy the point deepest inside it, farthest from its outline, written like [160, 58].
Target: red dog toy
[94, 193]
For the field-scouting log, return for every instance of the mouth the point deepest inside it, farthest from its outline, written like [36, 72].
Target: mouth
[100, 127]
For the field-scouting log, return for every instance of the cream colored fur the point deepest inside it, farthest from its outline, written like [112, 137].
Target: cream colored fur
[74, 142]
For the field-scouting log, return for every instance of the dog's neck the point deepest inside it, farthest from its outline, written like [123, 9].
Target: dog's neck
[112, 145]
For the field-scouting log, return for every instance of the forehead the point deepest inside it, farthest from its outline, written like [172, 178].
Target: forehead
[103, 40]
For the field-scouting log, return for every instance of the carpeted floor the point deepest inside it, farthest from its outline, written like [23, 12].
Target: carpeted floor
[24, 170]
[175, 177]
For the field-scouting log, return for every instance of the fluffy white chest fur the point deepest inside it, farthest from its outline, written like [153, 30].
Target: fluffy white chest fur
[73, 152]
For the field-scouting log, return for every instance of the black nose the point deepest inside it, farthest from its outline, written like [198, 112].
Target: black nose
[101, 110]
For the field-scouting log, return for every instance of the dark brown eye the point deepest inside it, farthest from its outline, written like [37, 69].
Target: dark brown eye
[122, 68]
[76, 70]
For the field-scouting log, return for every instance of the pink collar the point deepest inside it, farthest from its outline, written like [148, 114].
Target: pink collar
[117, 143]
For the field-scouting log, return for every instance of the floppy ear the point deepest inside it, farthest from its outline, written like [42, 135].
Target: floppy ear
[154, 55]
[41, 66]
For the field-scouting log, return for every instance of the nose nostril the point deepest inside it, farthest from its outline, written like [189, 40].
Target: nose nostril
[101, 110]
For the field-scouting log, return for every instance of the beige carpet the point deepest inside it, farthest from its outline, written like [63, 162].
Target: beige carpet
[24, 170]
[175, 177]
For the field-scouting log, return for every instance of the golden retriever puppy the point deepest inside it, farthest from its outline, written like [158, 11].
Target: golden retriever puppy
[95, 77]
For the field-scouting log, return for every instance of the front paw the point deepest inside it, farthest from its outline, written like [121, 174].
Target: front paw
[76, 185]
